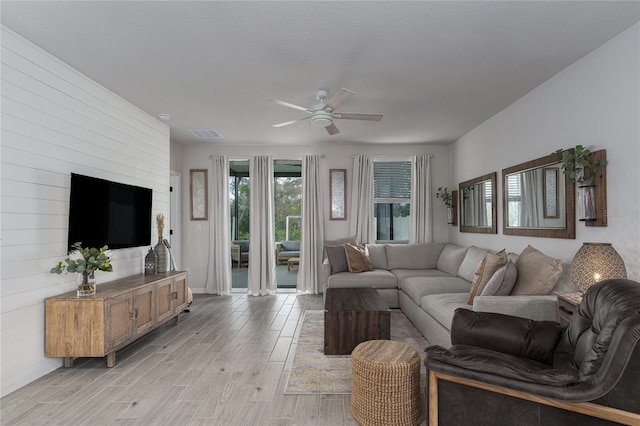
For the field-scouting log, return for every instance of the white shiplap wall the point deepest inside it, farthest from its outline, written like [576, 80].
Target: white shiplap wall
[56, 121]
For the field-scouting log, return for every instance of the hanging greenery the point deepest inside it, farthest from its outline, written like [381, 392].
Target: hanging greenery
[577, 166]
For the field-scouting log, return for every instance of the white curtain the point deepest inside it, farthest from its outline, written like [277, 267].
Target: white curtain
[421, 217]
[530, 206]
[219, 259]
[310, 274]
[262, 255]
[362, 199]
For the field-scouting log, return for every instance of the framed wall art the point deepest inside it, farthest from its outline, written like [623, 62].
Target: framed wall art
[198, 194]
[550, 194]
[338, 194]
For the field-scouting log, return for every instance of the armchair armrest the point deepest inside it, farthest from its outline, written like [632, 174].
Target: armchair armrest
[519, 337]
[236, 252]
[326, 273]
[539, 308]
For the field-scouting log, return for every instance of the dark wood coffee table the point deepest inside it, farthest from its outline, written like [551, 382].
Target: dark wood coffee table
[352, 316]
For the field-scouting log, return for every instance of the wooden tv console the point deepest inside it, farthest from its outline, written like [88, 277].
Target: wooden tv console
[120, 312]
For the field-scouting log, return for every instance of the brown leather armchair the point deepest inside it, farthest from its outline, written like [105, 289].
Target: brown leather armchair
[514, 371]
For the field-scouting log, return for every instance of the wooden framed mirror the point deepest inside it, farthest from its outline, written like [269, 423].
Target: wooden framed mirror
[538, 199]
[478, 209]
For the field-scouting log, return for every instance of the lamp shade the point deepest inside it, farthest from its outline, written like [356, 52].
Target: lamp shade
[595, 262]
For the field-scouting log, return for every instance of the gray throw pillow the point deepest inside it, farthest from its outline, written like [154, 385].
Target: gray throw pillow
[502, 281]
[537, 273]
[337, 258]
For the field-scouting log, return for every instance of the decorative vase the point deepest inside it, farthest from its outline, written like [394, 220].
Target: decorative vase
[449, 215]
[86, 284]
[586, 202]
[162, 255]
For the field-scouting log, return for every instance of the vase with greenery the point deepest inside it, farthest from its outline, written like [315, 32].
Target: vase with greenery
[578, 166]
[160, 249]
[582, 170]
[444, 194]
[85, 262]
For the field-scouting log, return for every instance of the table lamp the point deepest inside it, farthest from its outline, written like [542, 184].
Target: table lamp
[595, 262]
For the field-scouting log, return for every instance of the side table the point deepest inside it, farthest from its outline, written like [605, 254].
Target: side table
[568, 304]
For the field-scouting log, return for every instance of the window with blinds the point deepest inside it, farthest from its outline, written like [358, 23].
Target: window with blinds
[392, 181]
[514, 199]
[392, 199]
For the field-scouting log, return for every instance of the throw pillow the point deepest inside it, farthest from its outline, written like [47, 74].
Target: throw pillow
[477, 276]
[537, 273]
[492, 262]
[502, 282]
[357, 258]
[337, 258]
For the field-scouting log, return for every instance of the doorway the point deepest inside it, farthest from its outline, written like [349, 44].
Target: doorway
[287, 205]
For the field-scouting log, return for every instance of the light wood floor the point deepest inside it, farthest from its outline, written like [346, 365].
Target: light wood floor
[226, 363]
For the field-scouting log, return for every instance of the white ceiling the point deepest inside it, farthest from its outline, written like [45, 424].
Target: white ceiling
[434, 69]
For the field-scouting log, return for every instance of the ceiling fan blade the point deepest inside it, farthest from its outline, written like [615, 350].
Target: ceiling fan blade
[340, 97]
[286, 123]
[287, 104]
[351, 116]
[332, 129]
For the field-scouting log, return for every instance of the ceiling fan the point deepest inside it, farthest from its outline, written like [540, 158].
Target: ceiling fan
[323, 114]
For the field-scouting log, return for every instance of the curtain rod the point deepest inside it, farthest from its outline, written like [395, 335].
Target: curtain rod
[393, 156]
[280, 158]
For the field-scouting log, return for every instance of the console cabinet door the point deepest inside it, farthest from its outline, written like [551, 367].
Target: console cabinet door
[144, 309]
[164, 299]
[119, 320]
[181, 290]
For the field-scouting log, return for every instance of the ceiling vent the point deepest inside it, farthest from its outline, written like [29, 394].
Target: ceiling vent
[206, 134]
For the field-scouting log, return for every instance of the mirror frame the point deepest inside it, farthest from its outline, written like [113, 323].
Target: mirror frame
[493, 229]
[569, 231]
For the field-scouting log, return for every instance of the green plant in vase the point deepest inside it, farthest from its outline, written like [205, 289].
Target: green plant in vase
[576, 165]
[445, 195]
[580, 169]
[85, 261]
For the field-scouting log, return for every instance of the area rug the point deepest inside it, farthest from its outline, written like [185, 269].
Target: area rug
[313, 372]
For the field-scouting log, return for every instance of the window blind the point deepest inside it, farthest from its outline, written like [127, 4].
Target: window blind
[392, 179]
[513, 187]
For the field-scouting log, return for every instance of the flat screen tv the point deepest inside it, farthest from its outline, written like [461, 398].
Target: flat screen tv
[102, 212]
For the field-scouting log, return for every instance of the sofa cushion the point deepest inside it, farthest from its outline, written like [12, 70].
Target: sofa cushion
[502, 282]
[357, 258]
[502, 364]
[451, 257]
[377, 255]
[414, 256]
[347, 240]
[537, 273]
[486, 268]
[469, 264]
[378, 278]
[290, 246]
[442, 306]
[418, 287]
[337, 258]
[408, 273]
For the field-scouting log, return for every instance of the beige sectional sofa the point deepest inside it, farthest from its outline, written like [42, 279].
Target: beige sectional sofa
[428, 282]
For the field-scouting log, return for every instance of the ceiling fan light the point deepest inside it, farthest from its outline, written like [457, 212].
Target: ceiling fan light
[321, 119]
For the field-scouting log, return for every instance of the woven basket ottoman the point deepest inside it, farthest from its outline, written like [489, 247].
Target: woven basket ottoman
[385, 377]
